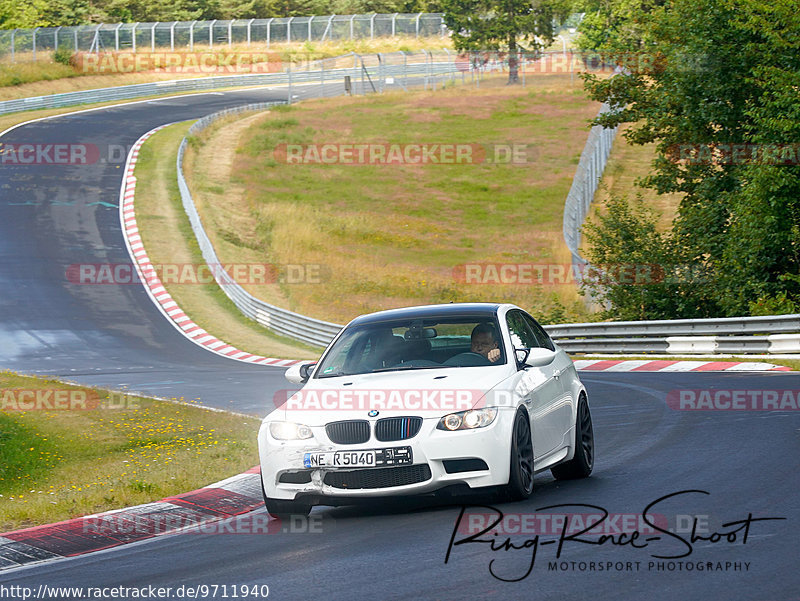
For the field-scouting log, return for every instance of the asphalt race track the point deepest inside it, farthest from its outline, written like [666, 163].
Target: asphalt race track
[113, 336]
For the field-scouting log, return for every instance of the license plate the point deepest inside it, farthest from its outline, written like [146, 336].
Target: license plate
[362, 458]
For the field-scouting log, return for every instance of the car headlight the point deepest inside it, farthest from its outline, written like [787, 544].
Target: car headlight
[468, 420]
[289, 431]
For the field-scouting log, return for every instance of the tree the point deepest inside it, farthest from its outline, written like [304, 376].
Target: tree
[14, 14]
[726, 78]
[505, 25]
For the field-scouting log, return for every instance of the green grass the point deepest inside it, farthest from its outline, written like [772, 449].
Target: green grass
[59, 464]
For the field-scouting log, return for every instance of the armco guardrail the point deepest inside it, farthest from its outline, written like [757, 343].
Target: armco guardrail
[296, 326]
[432, 65]
[770, 334]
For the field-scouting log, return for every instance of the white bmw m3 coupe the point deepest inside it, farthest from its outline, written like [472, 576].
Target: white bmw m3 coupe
[416, 400]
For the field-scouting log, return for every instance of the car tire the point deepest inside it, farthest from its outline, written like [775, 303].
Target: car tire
[520, 477]
[580, 466]
[281, 508]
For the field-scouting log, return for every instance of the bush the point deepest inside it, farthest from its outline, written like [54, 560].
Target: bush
[63, 56]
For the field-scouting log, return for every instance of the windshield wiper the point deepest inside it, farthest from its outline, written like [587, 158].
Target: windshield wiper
[407, 368]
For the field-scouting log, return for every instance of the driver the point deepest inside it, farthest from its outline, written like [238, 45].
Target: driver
[484, 342]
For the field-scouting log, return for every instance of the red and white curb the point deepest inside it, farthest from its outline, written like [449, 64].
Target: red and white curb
[152, 284]
[673, 366]
[206, 510]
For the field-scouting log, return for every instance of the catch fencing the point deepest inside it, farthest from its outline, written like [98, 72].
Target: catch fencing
[40, 42]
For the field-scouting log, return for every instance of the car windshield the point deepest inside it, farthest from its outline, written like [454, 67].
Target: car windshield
[411, 344]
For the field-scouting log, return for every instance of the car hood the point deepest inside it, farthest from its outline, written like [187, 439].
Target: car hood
[428, 393]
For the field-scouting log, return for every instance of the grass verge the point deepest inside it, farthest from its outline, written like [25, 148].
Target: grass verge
[391, 235]
[63, 463]
[168, 238]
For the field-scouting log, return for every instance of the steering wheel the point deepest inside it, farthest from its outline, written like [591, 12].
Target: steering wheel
[467, 359]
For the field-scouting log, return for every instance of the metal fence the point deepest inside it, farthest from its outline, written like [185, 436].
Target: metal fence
[584, 185]
[38, 43]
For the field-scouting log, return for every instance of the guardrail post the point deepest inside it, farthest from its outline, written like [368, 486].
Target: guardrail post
[289, 71]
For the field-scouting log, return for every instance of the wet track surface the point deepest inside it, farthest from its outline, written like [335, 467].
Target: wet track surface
[112, 335]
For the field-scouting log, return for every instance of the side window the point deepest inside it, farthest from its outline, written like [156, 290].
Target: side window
[538, 331]
[521, 335]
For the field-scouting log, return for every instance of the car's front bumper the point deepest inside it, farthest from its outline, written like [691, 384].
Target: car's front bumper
[283, 460]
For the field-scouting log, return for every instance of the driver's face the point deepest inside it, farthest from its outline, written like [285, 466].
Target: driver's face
[483, 343]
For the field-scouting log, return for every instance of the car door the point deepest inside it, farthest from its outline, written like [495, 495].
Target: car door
[539, 388]
[564, 372]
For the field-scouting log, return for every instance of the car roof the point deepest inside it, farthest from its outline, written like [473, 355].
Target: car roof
[481, 310]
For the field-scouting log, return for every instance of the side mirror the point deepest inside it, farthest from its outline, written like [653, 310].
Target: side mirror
[539, 357]
[299, 373]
